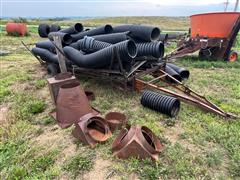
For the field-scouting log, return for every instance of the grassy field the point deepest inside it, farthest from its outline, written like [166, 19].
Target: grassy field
[197, 145]
[165, 23]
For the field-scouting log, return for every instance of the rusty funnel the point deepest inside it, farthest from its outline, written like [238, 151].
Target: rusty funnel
[72, 103]
[138, 141]
[91, 129]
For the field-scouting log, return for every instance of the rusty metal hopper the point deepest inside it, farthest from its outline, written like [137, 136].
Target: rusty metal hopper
[138, 141]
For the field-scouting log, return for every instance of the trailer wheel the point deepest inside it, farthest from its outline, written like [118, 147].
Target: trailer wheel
[52, 69]
[233, 56]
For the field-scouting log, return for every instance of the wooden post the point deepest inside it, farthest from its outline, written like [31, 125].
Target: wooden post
[61, 58]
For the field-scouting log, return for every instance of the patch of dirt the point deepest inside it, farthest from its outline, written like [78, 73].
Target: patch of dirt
[20, 86]
[54, 137]
[3, 114]
[173, 133]
[101, 170]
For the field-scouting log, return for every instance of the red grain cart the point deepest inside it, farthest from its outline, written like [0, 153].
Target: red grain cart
[213, 34]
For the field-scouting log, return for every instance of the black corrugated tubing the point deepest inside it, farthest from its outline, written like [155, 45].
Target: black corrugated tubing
[45, 55]
[89, 44]
[46, 45]
[96, 31]
[184, 73]
[101, 58]
[76, 28]
[43, 30]
[127, 49]
[53, 69]
[155, 49]
[173, 73]
[163, 37]
[112, 38]
[74, 45]
[65, 38]
[161, 103]
[54, 28]
[145, 33]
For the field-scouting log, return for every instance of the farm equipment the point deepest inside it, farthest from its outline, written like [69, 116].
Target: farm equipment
[213, 35]
[111, 62]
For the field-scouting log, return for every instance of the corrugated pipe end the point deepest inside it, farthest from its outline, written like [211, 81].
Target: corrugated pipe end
[160, 49]
[131, 49]
[67, 39]
[185, 74]
[173, 73]
[108, 28]
[155, 34]
[78, 27]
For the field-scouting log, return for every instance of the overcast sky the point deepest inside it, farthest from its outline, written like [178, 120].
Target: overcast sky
[86, 8]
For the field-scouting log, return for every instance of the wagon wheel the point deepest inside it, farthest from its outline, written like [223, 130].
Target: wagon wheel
[233, 56]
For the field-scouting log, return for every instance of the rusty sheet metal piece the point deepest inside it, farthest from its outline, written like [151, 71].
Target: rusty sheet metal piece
[138, 141]
[56, 82]
[91, 129]
[72, 103]
[115, 120]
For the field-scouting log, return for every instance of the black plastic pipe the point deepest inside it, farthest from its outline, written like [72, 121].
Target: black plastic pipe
[99, 59]
[127, 49]
[145, 33]
[163, 37]
[112, 38]
[74, 45]
[53, 69]
[96, 31]
[76, 28]
[55, 28]
[184, 73]
[155, 49]
[161, 103]
[43, 30]
[65, 38]
[46, 45]
[173, 73]
[89, 44]
[45, 55]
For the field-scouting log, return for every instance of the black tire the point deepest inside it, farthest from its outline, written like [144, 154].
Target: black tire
[43, 30]
[52, 69]
[54, 28]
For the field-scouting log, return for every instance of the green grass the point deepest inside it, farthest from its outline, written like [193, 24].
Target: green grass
[19, 161]
[78, 164]
[40, 83]
[196, 144]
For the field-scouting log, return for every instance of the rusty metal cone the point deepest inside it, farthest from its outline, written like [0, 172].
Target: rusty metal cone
[72, 103]
[138, 141]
